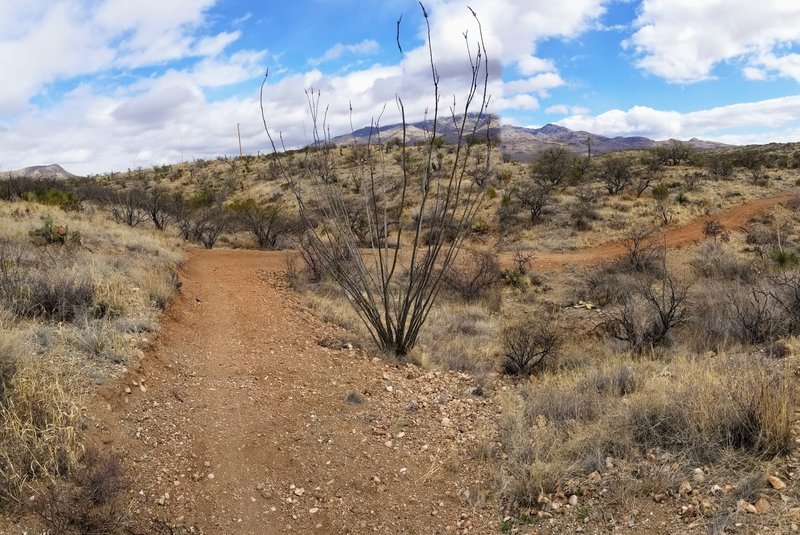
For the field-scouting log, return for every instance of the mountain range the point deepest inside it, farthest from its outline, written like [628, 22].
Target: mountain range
[518, 142]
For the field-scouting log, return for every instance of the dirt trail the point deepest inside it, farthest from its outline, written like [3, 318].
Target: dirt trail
[242, 425]
[676, 237]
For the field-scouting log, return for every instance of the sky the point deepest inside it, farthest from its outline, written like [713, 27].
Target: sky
[111, 85]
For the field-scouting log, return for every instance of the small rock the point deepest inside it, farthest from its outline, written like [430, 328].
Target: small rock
[127, 390]
[684, 488]
[314, 510]
[299, 491]
[776, 483]
[762, 505]
[573, 500]
[747, 507]
[210, 476]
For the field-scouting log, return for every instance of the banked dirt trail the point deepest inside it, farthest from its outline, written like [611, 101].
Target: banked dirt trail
[238, 421]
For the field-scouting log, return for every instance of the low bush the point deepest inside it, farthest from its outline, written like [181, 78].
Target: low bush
[92, 502]
[474, 276]
[528, 345]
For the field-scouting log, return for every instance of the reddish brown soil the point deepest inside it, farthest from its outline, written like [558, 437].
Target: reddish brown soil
[732, 219]
[237, 386]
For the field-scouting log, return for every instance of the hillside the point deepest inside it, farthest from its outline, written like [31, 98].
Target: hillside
[40, 171]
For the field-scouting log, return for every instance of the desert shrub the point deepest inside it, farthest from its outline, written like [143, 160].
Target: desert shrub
[559, 406]
[756, 314]
[720, 166]
[714, 230]
[616, 173]
[528, 345]
[712, 260]
[59, 297]
[91, 502]
[126, 207]
[649, 312]
[618, 381]
[266, 223]
[785, 289]
[551, 168]
[474, 276]
[643, 253]
[784, 258]
[534, 198]
[209, 224]
[687, 417]
[607, 285]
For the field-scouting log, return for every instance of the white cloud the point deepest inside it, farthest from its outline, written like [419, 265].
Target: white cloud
[563, 109]
[720, 123]
[112, 122]
[539, 84]
[682, 40]
[367, 47]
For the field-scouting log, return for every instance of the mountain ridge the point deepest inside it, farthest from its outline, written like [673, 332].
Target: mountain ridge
[53, 170]
[518, 142]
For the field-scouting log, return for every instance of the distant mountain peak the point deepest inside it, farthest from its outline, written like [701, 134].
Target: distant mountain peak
[52, 170]
[553, 129]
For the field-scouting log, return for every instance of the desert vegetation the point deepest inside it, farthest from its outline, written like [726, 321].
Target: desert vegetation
[79, 299]
[628, 373]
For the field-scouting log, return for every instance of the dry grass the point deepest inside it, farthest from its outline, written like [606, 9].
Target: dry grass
[564, 426]
[70, 315]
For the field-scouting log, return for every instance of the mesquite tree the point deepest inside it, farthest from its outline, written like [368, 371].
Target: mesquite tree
[414, 238]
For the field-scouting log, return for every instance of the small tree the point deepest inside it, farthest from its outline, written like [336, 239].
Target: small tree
[534, 198]
[209, 224]
[267, 223]
[528, 345]
[673, 152]
[392, 292]
[552, 167]
[616, 173]
[715, 230]
[157, 204]
[662, 203]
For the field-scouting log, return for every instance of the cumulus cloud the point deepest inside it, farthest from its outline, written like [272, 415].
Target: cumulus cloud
[719, 123]
[183, 105]
[683, 40]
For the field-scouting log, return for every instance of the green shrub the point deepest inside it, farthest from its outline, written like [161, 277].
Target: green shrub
[784, 258]
[50, 233]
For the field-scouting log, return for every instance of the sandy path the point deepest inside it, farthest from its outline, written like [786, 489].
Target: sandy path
[240, 403]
